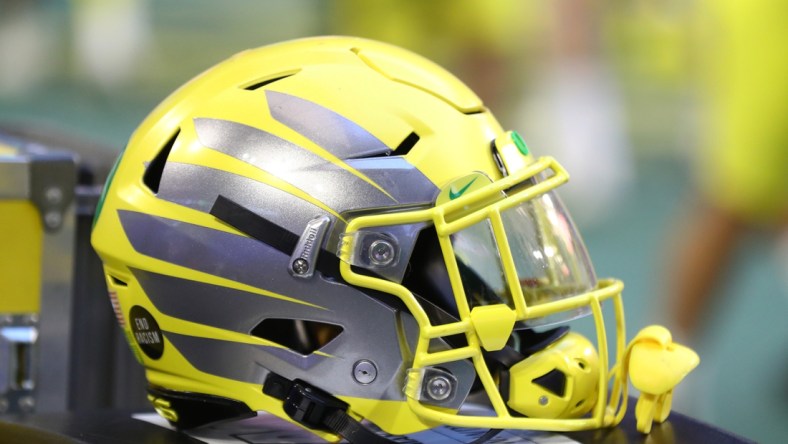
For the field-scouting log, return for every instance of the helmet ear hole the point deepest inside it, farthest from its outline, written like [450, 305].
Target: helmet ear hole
[301, 336]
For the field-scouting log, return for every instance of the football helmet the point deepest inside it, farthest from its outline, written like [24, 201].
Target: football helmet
[335, 229]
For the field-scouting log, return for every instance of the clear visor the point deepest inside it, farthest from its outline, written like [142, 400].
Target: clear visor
[548, 254]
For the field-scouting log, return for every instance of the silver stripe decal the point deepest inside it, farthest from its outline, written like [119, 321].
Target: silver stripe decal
[237, 258]
[336, 187]
[333, 132]
[398, 177]
[239, 361]
[220, 307]
[347, 140]
[197, 187]
[203, 249]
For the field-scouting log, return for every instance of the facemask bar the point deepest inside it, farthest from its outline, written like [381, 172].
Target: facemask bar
[453, 216]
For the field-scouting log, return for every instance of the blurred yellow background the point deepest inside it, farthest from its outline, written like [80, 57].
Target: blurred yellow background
[670, 115]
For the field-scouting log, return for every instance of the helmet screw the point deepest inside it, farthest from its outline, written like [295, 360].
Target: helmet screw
[53, 219]
[364, 371]
[439, 388]
[53, 195]
[381, 252]
[300, 266]
[543, 400]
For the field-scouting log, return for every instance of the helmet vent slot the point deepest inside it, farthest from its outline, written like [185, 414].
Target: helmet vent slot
[117, 282]
[409, 142]
[259, 85]
[155, 169]
[402, 149]
[301, 336]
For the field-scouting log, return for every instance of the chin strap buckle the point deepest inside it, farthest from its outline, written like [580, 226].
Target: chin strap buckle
[316, 409]
[311, 406]
[304, 403]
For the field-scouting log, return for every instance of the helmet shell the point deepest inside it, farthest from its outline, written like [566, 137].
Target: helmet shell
[322, 127]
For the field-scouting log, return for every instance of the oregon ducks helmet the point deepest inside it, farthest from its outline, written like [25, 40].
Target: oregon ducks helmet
[335, 229]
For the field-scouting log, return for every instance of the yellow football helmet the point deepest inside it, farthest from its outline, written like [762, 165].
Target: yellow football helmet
[335, 229]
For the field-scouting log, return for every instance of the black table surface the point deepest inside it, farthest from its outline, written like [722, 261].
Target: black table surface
[121, 427]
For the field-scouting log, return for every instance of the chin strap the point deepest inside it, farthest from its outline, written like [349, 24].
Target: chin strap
[656, 365]
[316, 409]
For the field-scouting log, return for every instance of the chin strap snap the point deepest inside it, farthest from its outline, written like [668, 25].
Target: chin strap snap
[656, 365]
[316, 409]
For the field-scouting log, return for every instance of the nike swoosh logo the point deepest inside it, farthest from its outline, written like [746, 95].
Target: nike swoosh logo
[453, 195]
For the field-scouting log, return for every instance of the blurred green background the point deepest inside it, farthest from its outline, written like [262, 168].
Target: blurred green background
[670, 116]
